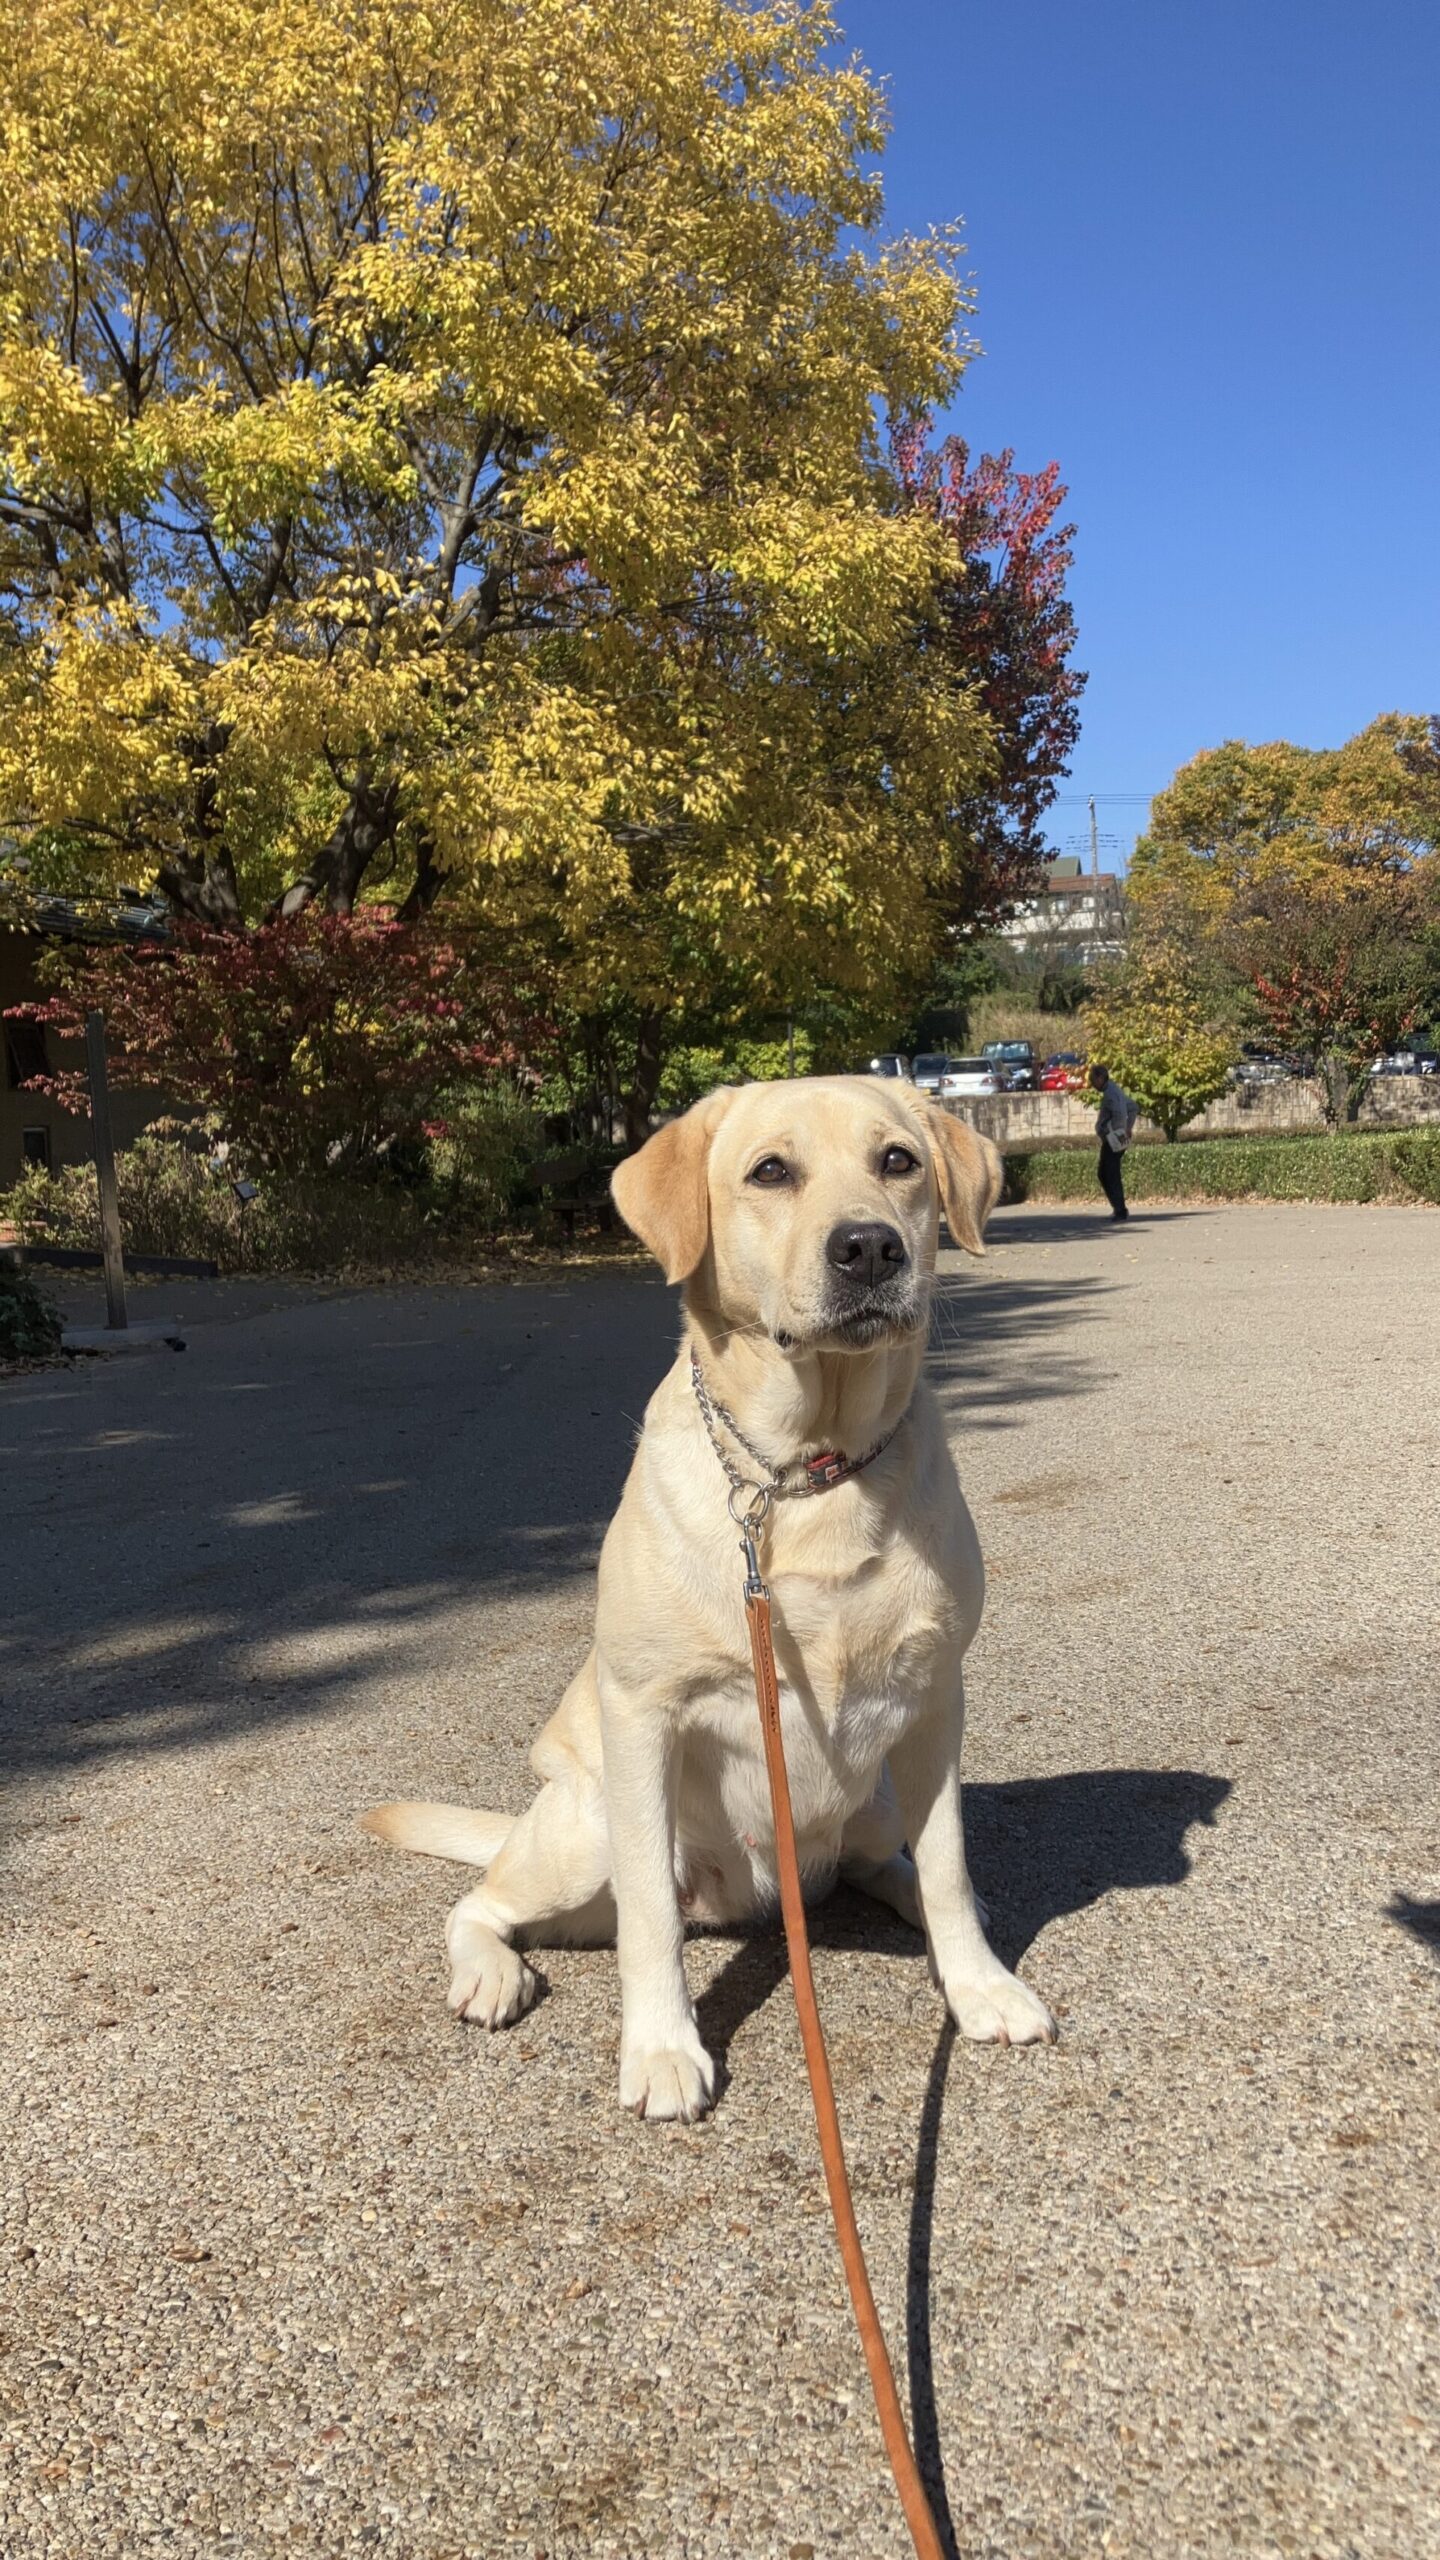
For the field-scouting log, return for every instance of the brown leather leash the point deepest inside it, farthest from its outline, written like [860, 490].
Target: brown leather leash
[918, 2515]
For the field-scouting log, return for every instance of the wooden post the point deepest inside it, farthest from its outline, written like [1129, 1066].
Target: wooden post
[104, 1149]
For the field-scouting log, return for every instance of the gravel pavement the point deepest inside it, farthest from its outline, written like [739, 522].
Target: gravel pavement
[290, 2262]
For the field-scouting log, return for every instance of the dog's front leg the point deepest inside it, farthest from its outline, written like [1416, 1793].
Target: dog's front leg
[665, 2070]
[987, 2002]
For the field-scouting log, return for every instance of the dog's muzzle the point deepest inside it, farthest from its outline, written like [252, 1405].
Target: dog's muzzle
[869, 1291]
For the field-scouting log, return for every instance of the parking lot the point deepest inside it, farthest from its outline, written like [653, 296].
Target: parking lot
[292, 2263]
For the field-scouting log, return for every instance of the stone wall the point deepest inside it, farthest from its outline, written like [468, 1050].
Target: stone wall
[1019, 1122]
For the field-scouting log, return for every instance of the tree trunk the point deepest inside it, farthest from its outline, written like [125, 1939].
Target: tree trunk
[428, 882]
[199, 879]
[1356, 1087]
[366, 824]
[204, 889]
[639, 1100]
[599, 1099]
[1334, 1088]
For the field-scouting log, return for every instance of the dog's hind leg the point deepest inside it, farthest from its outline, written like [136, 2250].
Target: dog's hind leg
[549, 1885]
[874, 1859]
[892, 1881]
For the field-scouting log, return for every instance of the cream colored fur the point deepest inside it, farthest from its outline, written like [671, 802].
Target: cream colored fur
[653, 1807]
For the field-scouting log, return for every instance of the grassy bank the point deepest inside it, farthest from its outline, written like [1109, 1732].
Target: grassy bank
[1394, 1165]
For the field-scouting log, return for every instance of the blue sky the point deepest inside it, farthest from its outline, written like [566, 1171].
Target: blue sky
[1206, 238]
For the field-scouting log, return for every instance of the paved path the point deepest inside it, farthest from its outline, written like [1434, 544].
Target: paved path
[290, 2263]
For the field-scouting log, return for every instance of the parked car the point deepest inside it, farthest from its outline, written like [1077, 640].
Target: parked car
[889, 1063]
[964, 1078]
[1064, 1073]
[1408, 1062]
[927, 1071]
[1257, 1065]
[1013, 1062]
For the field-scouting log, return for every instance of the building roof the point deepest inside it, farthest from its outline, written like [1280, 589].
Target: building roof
[122, 918]
[1080, 884]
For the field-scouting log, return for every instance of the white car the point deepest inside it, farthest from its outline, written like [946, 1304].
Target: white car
[964, 1079]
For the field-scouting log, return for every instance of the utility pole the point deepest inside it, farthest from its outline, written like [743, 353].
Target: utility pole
[104, 1150]
[1094, 844]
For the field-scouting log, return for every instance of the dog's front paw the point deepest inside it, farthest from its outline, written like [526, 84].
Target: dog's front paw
[998, 2008]
[663, 2085]
[491, 1986]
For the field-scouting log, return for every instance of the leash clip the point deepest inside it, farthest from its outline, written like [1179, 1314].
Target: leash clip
[754, 1581]
[757, 1499]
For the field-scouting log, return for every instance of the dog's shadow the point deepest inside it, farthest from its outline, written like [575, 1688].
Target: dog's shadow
[1422, 1919]
[1038, 1849]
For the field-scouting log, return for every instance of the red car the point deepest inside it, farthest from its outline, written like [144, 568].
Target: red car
[1064, 1073]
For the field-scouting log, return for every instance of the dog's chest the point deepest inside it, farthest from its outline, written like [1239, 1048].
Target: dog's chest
[848, 1691]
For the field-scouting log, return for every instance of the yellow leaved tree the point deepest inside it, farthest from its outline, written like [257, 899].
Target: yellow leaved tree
[1150, 1028]
[443, 447]
[1309, 879]
[1238, 821]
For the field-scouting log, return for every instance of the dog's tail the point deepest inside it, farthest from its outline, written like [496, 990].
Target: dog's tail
[441, 1830]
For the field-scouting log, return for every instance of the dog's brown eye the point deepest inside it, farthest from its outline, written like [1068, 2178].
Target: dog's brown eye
[770, 1170]
[898, 1160]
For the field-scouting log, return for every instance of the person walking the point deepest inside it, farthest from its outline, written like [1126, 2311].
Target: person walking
[1114, 1127]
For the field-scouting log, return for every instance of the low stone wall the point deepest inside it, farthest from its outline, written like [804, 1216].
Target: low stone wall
[1019, 1122]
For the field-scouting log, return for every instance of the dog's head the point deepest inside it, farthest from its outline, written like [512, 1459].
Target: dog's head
[811, 1208]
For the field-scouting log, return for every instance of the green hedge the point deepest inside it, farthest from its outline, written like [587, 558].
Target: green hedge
[29, 1325]
[1388, 1165]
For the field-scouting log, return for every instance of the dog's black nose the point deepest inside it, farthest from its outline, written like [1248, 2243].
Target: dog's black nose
[865, 1252]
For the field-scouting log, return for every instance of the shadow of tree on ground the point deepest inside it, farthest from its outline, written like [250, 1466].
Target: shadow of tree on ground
[329, 1487]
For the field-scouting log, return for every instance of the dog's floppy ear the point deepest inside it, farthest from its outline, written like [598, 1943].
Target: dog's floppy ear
[971, 1173]
[663, 1192]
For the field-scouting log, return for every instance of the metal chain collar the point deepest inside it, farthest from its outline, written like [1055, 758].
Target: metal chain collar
[818, 1474]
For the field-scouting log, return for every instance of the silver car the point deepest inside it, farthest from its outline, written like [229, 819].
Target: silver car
[965, 1079]
[928, 1070]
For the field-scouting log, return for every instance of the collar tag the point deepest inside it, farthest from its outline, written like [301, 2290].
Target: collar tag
[826, 1469]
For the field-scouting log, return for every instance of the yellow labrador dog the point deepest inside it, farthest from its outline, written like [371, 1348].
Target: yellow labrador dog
[801, 1219]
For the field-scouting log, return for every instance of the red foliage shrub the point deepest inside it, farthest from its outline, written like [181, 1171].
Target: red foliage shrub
[314, 1041]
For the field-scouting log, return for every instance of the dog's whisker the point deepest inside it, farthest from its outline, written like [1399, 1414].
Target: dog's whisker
[741, 1332]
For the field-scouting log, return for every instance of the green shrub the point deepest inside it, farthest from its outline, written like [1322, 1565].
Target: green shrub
[172, 1202]
[690, 1072]
[1353, 1167]
[29, 1325]
[175, 1200]
[491, 1137]
[1415, 1156]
